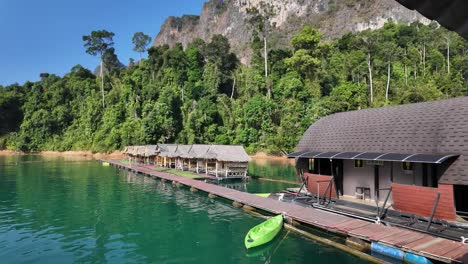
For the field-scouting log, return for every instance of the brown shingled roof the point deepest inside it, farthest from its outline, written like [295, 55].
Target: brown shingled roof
[425, 128]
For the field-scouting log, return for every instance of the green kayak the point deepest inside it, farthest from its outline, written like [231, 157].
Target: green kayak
[264, 232]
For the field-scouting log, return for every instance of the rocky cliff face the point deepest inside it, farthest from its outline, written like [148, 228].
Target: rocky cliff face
[231, 18]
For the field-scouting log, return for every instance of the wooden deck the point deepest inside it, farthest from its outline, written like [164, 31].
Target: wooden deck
[410, 241]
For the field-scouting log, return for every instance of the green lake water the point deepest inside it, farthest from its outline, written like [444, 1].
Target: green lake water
[54, 210]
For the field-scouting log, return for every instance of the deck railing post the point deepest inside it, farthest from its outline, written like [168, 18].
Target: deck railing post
[385, 202]
[326, 190]
[434, 208]
[376, 198]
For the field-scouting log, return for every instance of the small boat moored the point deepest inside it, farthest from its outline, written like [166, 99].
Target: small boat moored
[264, 232]
[105, 164]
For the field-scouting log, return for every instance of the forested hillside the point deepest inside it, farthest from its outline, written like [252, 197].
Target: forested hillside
[204, 95]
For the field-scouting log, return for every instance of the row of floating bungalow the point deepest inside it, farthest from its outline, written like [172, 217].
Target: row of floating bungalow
[222, 161]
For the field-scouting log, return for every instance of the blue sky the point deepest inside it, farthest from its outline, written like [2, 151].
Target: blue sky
[45, 36]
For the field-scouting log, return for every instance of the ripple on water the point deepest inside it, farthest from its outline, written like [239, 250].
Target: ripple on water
[59, 212]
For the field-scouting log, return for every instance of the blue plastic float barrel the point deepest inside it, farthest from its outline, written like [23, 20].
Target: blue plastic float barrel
[387, 251]
[398, 254]
[413, 258]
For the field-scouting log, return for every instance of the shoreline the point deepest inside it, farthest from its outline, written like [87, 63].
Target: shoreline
[79, 154]
[258, 157]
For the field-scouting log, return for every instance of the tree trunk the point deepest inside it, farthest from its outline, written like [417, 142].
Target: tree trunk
[388, 82]
[406, 74]
[266, 66]
[406, 70]
[233, 87]
[448, 56]
[370, 78]
[102, 83]
[182, 94]
[424, 59]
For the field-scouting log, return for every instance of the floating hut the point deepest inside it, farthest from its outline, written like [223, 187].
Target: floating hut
[414, 156]
[126, 152]
[182, 162]
[130, 153]
[166, 155]
[226, 161]
[139, 154]
[150, 154]
[222, 161]
[196, 158]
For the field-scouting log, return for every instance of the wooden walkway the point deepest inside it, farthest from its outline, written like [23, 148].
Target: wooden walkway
[410, 241]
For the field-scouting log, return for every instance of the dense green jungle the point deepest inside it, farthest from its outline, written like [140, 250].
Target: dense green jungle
[203, 94]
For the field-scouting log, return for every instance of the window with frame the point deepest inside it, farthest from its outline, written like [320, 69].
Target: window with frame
[358, 163]
[407, 166]
[311, 165]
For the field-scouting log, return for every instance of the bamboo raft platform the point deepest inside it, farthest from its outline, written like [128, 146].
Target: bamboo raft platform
[431, 247]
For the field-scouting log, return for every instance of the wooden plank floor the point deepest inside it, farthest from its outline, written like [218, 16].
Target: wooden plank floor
[422, 244]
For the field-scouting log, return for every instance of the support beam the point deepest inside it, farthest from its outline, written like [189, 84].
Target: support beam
[376, 183]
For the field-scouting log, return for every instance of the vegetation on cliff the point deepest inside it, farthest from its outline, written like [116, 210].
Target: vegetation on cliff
[204, 95]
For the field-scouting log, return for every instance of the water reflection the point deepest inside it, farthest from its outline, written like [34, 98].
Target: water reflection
[64, 212]
[278, 169]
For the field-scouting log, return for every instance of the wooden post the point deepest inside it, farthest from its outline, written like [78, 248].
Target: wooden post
[216, 169]
[376, 184]
[197, 166]
[206, 167]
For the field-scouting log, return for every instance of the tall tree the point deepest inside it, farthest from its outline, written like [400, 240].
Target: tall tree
[97, 43]
[390, 52]
[261, 24]
[306, 58]
[141, 41]
[369, 43]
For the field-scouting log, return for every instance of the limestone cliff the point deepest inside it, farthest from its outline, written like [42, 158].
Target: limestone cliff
[231, 18]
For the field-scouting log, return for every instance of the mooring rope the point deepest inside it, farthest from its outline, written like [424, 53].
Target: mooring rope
[277, 246]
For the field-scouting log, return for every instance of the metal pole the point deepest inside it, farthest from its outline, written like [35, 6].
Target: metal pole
[385, 203]
[434, 208]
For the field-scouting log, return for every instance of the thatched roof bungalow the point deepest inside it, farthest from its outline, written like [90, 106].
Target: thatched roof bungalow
[150, 150]
[219, 160]
[227, 153]
[166, 156]
[229, 161]
[167, 150]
